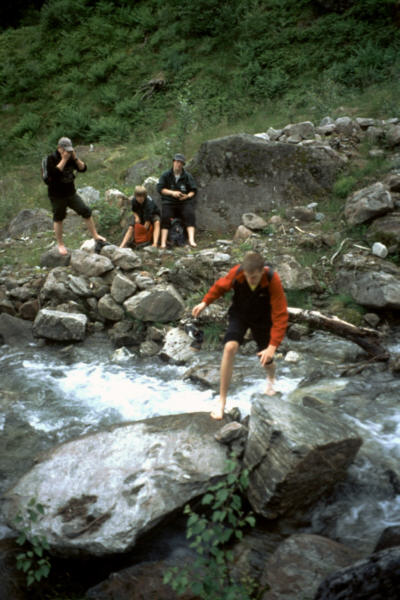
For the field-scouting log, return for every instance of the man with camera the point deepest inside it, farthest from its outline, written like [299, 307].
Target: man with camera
[61, 165]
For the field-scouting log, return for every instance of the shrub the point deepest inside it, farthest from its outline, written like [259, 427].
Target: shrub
[34, 559]
[209, 577]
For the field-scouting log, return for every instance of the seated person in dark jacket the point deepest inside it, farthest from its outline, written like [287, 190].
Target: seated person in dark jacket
[145, 224]
[178, 189]
[61, 189]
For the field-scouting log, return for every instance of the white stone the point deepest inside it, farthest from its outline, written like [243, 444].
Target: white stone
[292, 357]
[379, 250]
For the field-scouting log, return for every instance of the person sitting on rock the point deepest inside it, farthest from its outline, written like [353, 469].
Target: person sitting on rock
[258, 304]
[145, 224]
[61, 190]
[178, 189]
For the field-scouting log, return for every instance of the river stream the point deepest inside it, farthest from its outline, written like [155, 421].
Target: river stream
[52, 394]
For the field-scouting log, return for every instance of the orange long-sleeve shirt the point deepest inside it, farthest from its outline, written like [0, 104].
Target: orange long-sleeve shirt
[236, 280]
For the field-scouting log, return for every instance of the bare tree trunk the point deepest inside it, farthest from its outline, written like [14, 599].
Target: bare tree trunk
[368, 339]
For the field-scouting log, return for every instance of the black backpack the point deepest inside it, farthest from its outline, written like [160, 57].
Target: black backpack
[176, 233]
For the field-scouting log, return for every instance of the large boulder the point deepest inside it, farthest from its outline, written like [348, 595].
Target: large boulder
[371, 281]
[300, 563]
[90, 265]
[30, 220]
[109, 309]
[295, 455]
[122, 288]
[377, 577]
[244, 171]
[162, 303]
[102, 491]
[60, 326]
[368, 203]
[61, 286]
[52, 258]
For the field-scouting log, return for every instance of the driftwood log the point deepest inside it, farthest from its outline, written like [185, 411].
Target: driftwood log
[368, 339]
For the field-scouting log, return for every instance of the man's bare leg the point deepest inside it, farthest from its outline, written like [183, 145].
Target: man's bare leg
[92, 229]
[58, 230]
[271, 369]
[227, 361]
[164, 235]
[156, 233]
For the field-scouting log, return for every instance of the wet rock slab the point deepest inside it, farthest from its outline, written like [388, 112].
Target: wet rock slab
[103, 490]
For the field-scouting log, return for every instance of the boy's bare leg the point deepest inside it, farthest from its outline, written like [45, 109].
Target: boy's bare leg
[164, 235]
[92, 228]
[227, 361]
[156, 233]
[271, 369]
[58, 230]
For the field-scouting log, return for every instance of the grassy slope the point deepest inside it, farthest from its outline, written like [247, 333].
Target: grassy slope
[243, 65]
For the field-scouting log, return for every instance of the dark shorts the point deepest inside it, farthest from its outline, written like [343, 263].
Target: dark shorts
[237, 328]
[184, 211]
[152, 220]
[60, 205]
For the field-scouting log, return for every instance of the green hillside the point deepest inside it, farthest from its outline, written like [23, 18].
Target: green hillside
[158, 76]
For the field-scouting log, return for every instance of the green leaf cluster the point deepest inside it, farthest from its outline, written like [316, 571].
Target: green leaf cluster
[33, 560]
[211, 536]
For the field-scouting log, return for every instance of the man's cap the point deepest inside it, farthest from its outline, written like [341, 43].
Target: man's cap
[65, 143]
[180, 157]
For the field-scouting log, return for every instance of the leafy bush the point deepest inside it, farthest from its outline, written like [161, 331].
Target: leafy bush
[34, 559]
[209, 577]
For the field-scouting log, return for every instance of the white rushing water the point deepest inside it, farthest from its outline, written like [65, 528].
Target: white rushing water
[62, 396]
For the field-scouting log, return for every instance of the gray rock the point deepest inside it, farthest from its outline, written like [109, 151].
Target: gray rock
[122, 288]
[242, 233]
[293, 275]
[389, 538]
[90, 265]
[109, 309]
[274, 134]
[118, 199]
[177, 347]
[230, 432]
[89, 195]
[14, 331]
[60, 326]
[56, 288]
[393, 136]
[375, 135]
[52, 258]
[30, 220]
[365, 123]
[374, 578]
[253, 222]
[127, 333]
[122, 355]
[21, 293]
[142, 169]
[124, 258]
[373, 283]
[162, 303]
[79, 286]
[300, 563]
[301, 131]
[102, 491]
[295, 455]
[98, 286]
[326, 121]
[347, 127]
[386, 229]
[302, 213]
[149, 348]
[243, 170]
[144, 281]
[368, 203]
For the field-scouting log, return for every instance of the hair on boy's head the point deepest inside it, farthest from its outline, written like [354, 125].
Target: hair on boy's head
[140, 190]
[253, 262]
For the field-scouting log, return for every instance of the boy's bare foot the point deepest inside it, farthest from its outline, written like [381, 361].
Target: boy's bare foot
[193, 244]
[217, 414]
[270, 390]
[62, 250]
[101, 238]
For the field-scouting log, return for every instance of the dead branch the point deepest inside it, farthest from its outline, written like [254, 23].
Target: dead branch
[368, 339]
